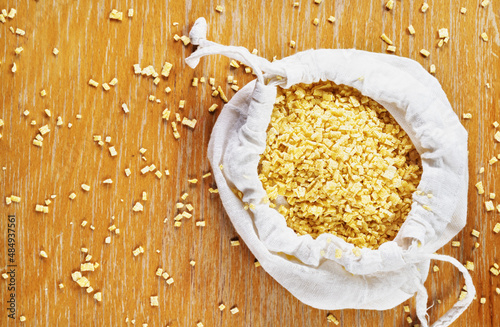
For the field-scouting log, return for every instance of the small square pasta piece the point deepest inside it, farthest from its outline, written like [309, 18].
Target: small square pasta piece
[411, 30]
[463, 10]
[391, 48]
[475, 233]
[425, 53]
[212, 108]
[116, 15]
[234, 310]
[443, 33]
[469, 265]
[424, 7]
[219, 9]
[496, 228]
[131, 12]
[467, 115]
[484, 36]
[485, 3]
[331, 19]
[98, 296]
[154, 301]
[489, 205]
[112, 151]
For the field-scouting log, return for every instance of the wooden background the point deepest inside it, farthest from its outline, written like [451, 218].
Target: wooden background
[92, 46]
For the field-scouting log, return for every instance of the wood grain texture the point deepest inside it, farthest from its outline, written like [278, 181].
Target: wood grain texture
[92, 46]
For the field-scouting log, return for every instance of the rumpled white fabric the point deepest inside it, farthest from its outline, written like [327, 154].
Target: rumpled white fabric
[378, 279]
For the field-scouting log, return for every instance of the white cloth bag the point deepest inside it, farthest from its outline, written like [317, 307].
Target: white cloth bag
[378, 279]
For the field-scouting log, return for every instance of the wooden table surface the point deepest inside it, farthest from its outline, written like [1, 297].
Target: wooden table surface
[91, 46]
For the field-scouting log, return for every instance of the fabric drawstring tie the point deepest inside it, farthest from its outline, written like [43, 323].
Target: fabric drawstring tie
[421, 296]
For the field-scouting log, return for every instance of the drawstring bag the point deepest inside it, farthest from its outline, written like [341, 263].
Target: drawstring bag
[372, 279]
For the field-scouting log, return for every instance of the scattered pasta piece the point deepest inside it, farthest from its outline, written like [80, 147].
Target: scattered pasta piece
[432, 69]
[43, 254]
[411, 30]
[116, 15]
[331, 318]
[485, 3]
[93, 83]
[443, 33]
[112, 151]
[389, 4]
[425, 53]
[85, 187]
[98, 296]
[138, 207]
[138, 251]
[219, 9]
[386, 39]
[189, 122]
[185, 40]
[424, 7]
[154, 301]
[480, 188]
[212, 108]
